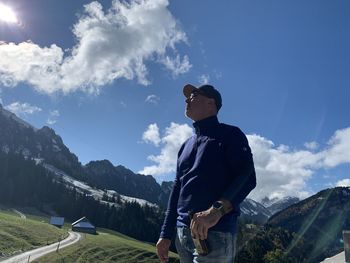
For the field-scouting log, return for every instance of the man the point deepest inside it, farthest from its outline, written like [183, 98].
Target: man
[215, 172]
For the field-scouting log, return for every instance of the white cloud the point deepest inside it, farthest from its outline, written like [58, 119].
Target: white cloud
[153, 99]
[51, 121]
[204, 79]
[27, 62]
[151, 135]
[53, 117]
[339, 149]
[281, 171]
[284, 172]
[22, 109]
[55, 113]
[344, 183]
[171, 142]
[311, 145]
[175, 65]
[110, 45]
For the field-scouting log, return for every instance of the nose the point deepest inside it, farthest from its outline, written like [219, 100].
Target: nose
[188, 100]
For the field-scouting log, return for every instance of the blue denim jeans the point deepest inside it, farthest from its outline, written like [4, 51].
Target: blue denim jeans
[222, 247]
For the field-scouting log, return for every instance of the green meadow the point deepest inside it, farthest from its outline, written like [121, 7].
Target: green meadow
[107, 246]
[18, 234]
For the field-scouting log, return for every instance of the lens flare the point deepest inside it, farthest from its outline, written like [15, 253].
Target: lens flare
[7, 14]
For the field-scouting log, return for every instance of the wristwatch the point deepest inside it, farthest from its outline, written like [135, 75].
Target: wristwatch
[219, 206]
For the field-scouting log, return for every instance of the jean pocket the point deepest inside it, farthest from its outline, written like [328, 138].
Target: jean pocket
[185, 238]
[220, 242]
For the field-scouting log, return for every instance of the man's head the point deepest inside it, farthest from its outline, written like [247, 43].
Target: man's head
[202, 102]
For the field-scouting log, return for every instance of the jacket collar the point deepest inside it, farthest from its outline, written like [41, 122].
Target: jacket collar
[206, 125]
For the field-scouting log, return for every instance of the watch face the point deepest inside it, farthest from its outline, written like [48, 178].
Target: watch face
[219, 206]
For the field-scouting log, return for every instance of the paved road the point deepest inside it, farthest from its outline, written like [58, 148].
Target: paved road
[23, 216]
[39, 252]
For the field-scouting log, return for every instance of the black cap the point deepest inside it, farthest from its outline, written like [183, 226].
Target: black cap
[206, 90]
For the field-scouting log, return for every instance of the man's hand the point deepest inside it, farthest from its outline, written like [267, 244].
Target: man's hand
[202, 221]
[163, 245]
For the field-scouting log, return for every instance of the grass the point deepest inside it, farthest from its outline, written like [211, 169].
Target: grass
[107, 246]
[17, 234]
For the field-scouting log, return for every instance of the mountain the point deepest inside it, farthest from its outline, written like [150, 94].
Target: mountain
[320, 219]
[17, 136]
[26, 183]
[327, 210]
[254, 211]
[45, 146]
[102, 195]
[307, 231]
[167, 187]
[104, 175]
[48, 149]
[276, 204]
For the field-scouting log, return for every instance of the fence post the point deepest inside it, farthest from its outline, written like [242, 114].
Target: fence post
[58, 246]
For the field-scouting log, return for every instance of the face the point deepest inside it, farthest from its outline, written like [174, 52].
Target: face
[199, 107]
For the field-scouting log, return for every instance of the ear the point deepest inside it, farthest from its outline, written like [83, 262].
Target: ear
[212, 105]
[211, 102]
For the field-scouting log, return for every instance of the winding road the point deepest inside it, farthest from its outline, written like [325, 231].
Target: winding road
[31, 255]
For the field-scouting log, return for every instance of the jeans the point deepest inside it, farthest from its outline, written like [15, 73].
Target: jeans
[222, 247]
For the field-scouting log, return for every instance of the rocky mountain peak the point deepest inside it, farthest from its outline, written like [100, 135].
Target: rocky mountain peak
[124, 170]
[45, 144]
[47, 130]
[275, 205]
[17, 121]
[101, 167]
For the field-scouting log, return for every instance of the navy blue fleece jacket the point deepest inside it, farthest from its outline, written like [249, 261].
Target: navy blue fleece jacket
[214, 163]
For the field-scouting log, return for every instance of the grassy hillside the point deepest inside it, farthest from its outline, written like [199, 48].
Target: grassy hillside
[107, 246]
[17, 234]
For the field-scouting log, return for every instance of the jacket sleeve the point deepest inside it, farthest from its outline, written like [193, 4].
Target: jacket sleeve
[240, 161]
[169, 224]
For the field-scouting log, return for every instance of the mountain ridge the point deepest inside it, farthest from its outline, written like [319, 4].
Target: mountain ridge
[45, 146]
[311, 227]
[307, 231]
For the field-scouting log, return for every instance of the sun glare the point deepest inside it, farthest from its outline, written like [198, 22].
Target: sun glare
[7, 14]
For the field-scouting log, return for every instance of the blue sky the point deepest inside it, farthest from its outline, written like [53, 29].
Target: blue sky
[107, 76]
